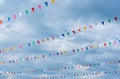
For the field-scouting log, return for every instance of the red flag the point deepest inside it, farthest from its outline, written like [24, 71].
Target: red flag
[78, 30]
[33, 10]
[0, 21]
[104, 44]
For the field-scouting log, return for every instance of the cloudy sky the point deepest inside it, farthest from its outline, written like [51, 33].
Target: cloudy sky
[56, 19]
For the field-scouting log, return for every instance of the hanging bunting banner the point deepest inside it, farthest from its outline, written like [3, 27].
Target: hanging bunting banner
[46, 4]
[47, 77]
[93, 74]
[74, 32]
[81, 75]
[113, 62]
[73, 51]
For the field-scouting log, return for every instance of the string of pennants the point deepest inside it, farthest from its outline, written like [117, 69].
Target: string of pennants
[46, 77]
[103, 73]
[43, 40]
[14, 17]
[113, 62]
[82, 75]
[73, 51]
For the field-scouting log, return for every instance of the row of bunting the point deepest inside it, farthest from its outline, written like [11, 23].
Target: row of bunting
[81, 75]
[106, 63]
[39, 7]
[38, 42]
[73, 51]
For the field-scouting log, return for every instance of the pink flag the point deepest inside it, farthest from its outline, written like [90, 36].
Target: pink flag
[14, 17]
[90, 26]
[39, 6]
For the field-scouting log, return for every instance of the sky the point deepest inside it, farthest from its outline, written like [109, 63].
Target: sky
[57, 19]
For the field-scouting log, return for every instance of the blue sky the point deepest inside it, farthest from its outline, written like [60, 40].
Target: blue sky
[56, 19]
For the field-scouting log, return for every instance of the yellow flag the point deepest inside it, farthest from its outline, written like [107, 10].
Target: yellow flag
[84, 28]
[53, 1]
[38, 57]
[6, 49]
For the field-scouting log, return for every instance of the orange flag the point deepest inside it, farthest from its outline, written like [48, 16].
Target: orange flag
[0, 21]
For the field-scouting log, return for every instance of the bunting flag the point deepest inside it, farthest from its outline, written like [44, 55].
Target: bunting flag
[103, 22]
[8, 18]
[109, 20]
[14, 17]
[0, 21]
[53, 1]
[46, 3]
[63, 35]
[32, 9]
[39, 6]
[84, 28]
[20, 14]
[82, 66]
[90, 26]
[26, 12]
[116, 19]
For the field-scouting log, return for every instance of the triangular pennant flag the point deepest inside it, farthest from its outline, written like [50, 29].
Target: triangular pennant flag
[29, 44]
[110, 43]
[32, 9]
[20, 14]
[8, 18]
[73, 32]
[78, 30]
[14, 17]
[105, 44]
[53, 1]
[53, 38]
[103, 22]
[90, 26]
[86, 48]
[26, 12]
[63, 35]
[84, 28]
[109, 20]
[39, 6]
[46, 3]
[116, 19]
[33, 43]
[68, 33]
[115, 42]
[38, 42]
[0, 21]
